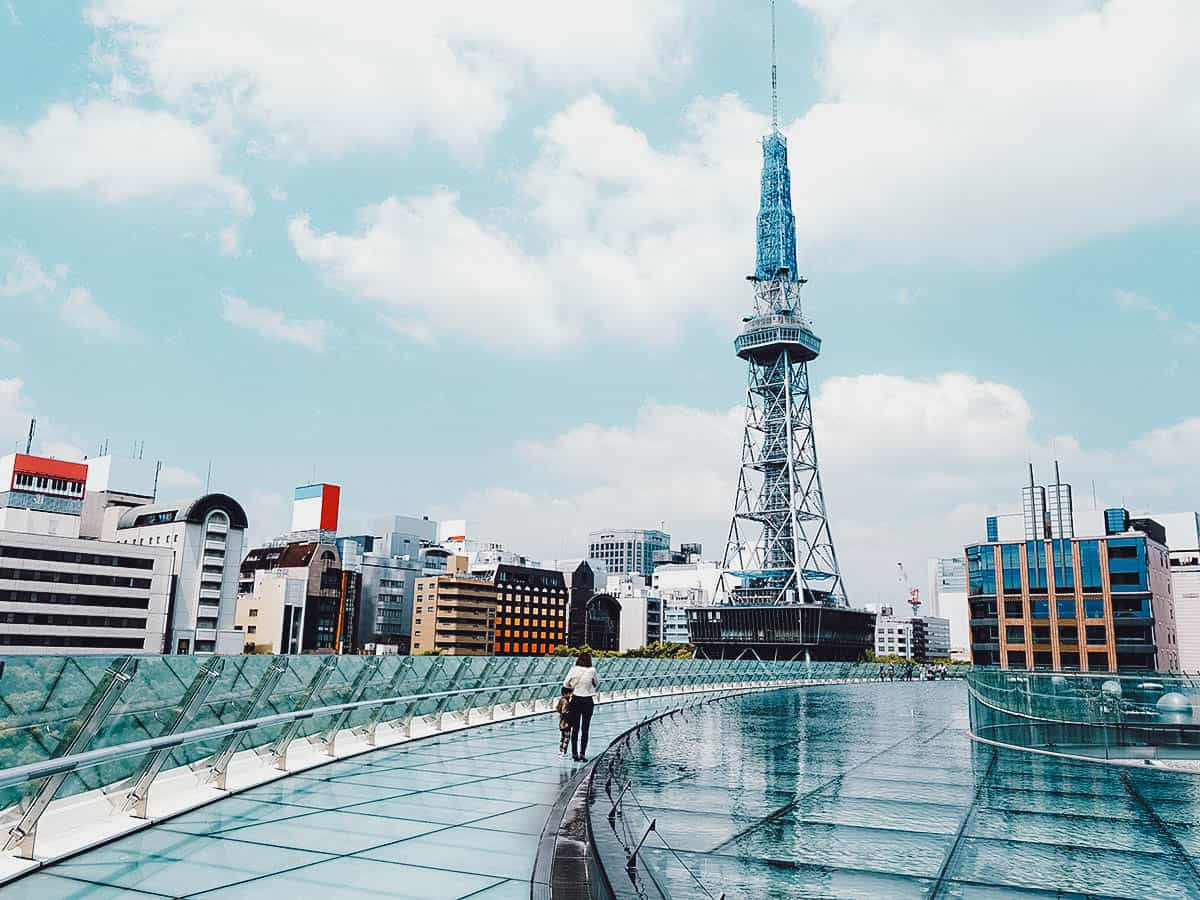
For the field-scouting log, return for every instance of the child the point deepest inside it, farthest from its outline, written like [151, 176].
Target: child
[564, 721]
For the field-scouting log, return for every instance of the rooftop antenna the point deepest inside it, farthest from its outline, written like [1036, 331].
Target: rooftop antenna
[208, 477]
[774, 78]
[32, 429]
[157, 470]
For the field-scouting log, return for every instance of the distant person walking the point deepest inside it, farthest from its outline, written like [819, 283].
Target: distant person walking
[584, 685]
[564, 721]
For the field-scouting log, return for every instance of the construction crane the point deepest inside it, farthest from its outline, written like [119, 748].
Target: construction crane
[914, 594]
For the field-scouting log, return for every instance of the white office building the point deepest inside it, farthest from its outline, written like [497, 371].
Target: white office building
[628, 551]
[207, 539]
[947, 599]
[918, 638]
[641, 611]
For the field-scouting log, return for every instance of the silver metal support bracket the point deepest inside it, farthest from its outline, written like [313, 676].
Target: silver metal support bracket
[79, 734]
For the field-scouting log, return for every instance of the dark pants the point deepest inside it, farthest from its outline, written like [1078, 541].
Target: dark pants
[581, 721]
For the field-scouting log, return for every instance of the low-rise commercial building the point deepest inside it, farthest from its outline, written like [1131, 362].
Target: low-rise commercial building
[270, 615]
[454, 615]
[318, 566]
[641, 606]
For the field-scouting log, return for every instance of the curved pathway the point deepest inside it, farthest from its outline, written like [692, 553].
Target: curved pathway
[453, 816]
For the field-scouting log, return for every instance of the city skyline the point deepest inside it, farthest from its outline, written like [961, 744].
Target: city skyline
[604, 201]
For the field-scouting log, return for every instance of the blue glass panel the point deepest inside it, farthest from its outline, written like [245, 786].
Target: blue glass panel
[1039, 609]
[1066, 608]
[1093, 608]
[1089, 565]
[1010, 561]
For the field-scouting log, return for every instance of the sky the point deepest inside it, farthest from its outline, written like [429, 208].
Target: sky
[486, 261]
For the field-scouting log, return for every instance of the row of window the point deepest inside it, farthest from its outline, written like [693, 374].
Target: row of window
[45, 483]
[77, 621]
[83, 559]
[72, 640]
[75, 599]
[75, 578]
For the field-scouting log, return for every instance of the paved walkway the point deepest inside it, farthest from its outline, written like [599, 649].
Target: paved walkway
[453, 816]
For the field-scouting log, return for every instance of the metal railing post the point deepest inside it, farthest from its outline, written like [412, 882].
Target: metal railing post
[279, 749]
[357, 689]
[79, 734]
[631, 865]
[218, 763]
[138, 797]
[371, 727]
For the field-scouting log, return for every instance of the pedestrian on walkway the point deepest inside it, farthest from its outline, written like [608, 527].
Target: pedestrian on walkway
[584, 685]
[564, 721]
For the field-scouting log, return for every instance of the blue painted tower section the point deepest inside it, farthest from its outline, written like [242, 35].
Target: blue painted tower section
[776, 223]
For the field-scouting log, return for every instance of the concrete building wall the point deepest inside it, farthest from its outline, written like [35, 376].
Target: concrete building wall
[68, 595]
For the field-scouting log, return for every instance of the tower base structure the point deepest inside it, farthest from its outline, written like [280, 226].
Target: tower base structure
[812, 631]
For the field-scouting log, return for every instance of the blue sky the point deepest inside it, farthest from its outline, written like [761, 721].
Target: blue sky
[487, 262]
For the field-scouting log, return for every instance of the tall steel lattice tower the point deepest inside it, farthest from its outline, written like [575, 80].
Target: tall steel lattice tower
[780, 549]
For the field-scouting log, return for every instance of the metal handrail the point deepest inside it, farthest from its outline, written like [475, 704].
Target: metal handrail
[87, 759]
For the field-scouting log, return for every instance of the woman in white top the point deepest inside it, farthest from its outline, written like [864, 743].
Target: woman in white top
[584, 686]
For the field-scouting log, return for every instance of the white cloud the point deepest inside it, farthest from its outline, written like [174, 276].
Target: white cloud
[25, 275]
[631, 242]
[274, 324]
[8, 345]
[986, 135]
[325, 79]
[118, 153]
[278, 194]
[229, 239]
[911, 468]
[81, 311]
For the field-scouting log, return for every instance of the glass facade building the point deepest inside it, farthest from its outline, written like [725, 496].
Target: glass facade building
[1091, 604]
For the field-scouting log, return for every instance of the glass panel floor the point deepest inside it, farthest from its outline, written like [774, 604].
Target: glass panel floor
[457, 815]
[876, 791]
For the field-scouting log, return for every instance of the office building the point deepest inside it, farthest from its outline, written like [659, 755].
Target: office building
[1095, 604]
[41, 495]
[454, 615]
[318, 566]
[917, 638]
[206, 537]
[628, 551]
[531, 619]
[948, 600]
[70, 595]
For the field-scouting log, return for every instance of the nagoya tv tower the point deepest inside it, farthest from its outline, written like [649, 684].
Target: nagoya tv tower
[780, 547]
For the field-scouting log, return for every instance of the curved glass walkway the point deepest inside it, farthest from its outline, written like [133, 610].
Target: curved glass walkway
[877, 791]
[865, 790]
[457, 815]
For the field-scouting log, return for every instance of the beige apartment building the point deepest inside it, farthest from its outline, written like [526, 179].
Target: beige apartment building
[454, 615]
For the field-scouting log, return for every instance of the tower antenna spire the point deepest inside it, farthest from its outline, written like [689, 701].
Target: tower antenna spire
[774, 78]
